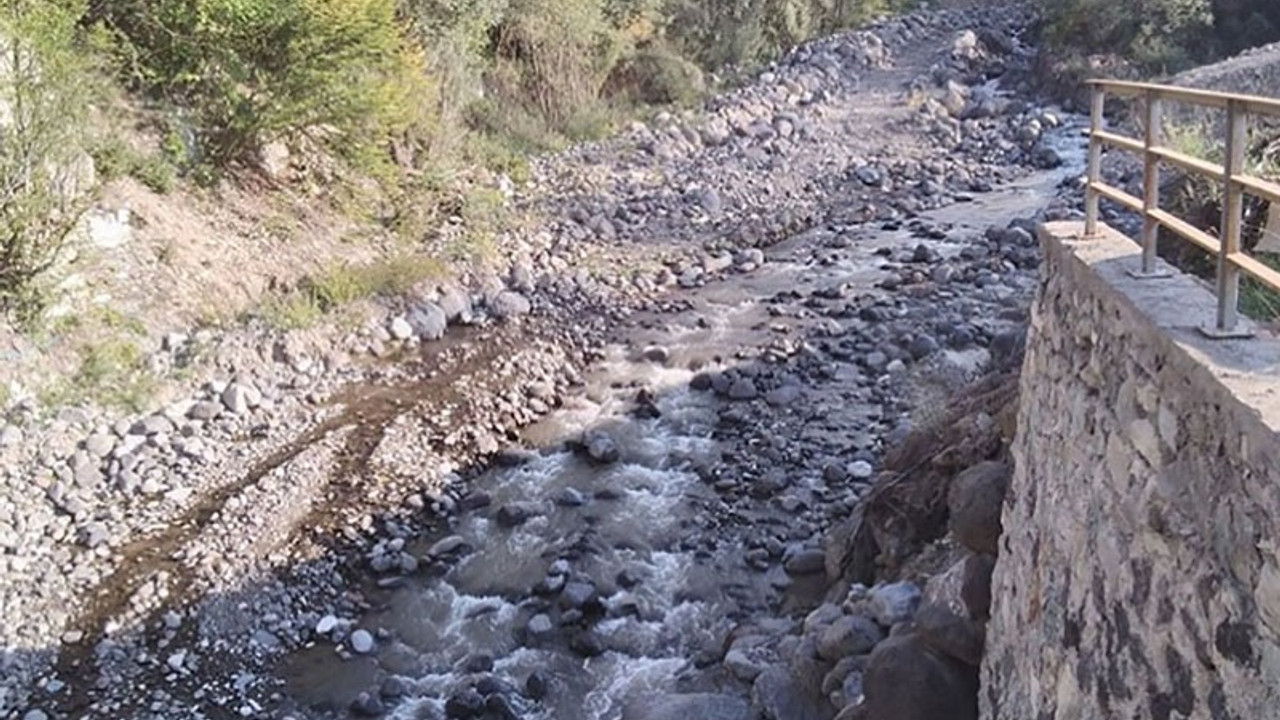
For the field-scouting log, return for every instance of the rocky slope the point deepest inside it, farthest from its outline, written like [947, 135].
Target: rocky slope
[820, 233]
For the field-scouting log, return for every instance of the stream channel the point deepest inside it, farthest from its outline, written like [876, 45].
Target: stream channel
[566, 588]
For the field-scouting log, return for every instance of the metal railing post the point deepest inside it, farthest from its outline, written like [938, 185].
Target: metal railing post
[1097, 102]
[1151, 186]
[1232, 218]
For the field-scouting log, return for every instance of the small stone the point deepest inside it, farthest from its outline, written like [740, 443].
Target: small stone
[539, 624]
[100, 445]
[861, 470]
[239, 398]
[400, 328]
[205, 410]
[657, 354]
[36, 714]
[176, 660]
[362, 642]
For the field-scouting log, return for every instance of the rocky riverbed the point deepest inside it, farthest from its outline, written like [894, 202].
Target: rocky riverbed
[596, 484]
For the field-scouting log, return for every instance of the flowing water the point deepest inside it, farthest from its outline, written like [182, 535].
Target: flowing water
[660, 560]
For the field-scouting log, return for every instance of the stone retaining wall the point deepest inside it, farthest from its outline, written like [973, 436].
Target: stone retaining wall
[1138, 574]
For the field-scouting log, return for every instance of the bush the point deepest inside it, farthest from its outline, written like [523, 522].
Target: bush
[1160, 35]
[250, 71]
[45, 93]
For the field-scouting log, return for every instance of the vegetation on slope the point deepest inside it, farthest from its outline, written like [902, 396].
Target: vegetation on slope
[1160, 35]
[397, 92]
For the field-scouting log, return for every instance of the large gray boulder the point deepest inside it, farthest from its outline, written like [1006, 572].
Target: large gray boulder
[905, 680]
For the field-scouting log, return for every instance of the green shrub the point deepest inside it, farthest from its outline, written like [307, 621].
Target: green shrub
[654, 75]
[46, 91]
[339, 71]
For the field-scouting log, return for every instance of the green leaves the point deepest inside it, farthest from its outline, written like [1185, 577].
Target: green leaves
[256, 70]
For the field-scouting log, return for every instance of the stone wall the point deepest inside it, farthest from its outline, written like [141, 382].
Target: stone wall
[1138, 574]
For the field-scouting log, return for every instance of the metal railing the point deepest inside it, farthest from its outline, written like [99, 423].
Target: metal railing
[1226, 247]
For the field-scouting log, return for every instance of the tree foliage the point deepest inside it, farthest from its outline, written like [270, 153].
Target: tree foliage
[250, 71]
[1160, 34]
[45, 91]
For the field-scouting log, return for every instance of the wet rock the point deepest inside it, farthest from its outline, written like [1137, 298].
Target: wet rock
[464, 704]
[976, 588]
[570, 497]
[806, 562]
[367, 705]
[539, 625]
[975, 500]
[701, 382]
[906, 681]
[446, 546]
[500, 708]
[848, 635]
[601, 448]
[694, 706]
[393, 688]
[578, 594]
[535, 686]
[515, 514]
[894, 603]
[949, 634]
[587, 644]
[478, 663]
[362, 642]
[749, 656]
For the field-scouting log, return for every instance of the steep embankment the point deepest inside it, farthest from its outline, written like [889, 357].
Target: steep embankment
[186, 563]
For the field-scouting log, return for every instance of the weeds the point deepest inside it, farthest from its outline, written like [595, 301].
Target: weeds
[340, 286]
[113, 374]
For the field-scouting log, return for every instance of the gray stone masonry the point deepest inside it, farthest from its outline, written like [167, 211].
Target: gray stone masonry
[1138, 575]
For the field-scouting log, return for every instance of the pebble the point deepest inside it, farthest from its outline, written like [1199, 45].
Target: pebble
[362, 642]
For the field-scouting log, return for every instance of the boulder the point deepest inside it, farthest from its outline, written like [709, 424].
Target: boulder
[949, 634]
[428, 321]
[848, 635]
[905, 680]
[509, 304]
[777, 696]
[975, 500]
